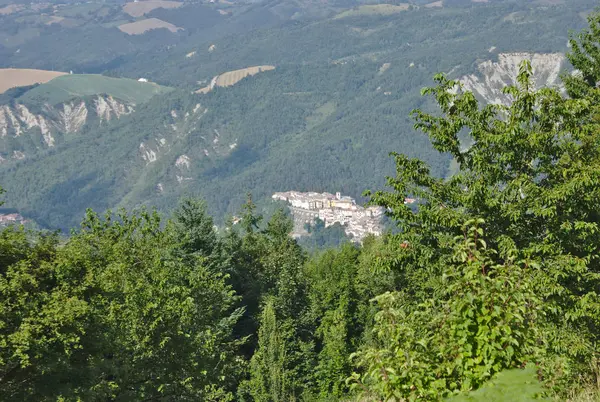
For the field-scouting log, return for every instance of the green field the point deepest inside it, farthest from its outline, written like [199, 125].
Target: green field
[67, 87]
[508, 386]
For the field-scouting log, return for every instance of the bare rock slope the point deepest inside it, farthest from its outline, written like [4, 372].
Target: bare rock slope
[495, 75]
[20, 126]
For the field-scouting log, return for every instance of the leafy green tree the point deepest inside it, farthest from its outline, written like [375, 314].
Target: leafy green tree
[250, 219]
[333, 302]
[585, 57]
[482, 320]
[268, 373]
[194, 228]
[531, 174]
[270, 268]
[41, 324]
[119, 315]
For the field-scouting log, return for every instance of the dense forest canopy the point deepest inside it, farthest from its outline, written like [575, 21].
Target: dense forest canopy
[488, 289]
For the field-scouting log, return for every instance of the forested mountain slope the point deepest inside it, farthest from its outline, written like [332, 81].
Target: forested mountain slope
[39, 118]
[323, 120]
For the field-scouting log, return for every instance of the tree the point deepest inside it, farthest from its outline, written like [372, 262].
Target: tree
[41, 323]
[118, 314]
[334, 302]
[268, 373]
[585, 57]
[250, 219]
[529, 178]
[194, 228]
[482, 320]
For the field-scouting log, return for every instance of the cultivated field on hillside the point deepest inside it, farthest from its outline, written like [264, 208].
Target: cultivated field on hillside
[139, 27]
[232, 77]
[11, 8]
[70, 86]
[137, 9]
[20, 77]
[373, 9]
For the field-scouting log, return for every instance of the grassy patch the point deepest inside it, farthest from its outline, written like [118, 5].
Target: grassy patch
[67, 87]
[508, 386]
[320, 115]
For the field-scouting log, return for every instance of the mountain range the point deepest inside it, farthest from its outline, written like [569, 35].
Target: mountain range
[128, 124]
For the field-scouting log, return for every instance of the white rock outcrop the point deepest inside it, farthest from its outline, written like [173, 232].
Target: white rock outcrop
[148, 154]
[108, 107]
[67, 118]
[183, 162]
[72, 117]
[495, 75]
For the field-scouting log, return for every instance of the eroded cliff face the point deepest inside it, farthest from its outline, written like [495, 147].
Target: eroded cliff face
[183, 149]
[72, 117]
[20, 125]
[495, 75]
[107, 108]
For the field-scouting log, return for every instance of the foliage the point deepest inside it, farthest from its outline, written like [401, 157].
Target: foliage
[486, 289]
[530, 174]
[585, 58]
[482, 320]
[321, 237]
[115, 313]
[334, 309]
[267, 368]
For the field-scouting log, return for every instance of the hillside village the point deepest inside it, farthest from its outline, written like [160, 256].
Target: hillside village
[358, 221]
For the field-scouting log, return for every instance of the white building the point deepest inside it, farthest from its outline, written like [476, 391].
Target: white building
[331, 209]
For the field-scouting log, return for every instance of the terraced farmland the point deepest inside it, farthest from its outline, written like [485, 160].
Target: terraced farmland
[139, 27]
[373, 9]
[232, 77]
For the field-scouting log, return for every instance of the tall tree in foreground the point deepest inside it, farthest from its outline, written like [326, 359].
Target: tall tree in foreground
[274, 262]
[517, 225]
[269, 382]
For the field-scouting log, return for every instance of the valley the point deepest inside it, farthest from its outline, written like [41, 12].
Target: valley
[278, 106]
